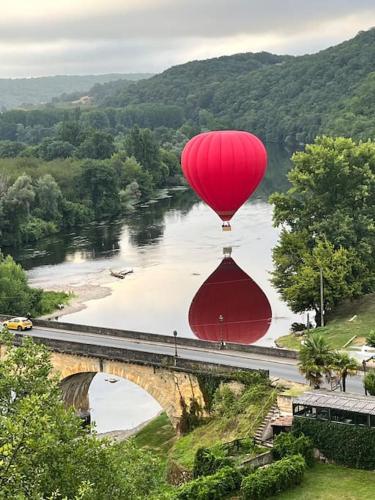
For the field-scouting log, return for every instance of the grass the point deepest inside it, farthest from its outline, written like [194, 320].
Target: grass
[158, 436]
[51, 300]
[243, 421]
[340, 329]
[332, 482]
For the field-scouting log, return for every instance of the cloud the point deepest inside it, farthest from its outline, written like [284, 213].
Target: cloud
[85, 36]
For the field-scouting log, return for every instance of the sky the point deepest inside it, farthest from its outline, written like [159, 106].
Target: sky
[46, 37]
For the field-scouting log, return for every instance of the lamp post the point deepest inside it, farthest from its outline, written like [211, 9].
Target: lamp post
[321, 298]
[221, 321]
[175, 346]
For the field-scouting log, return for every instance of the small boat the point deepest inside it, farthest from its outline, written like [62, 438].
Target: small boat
[120, 274]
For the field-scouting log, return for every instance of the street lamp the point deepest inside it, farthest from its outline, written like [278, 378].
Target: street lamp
[175, 344]
[321, 298]
[221, 321]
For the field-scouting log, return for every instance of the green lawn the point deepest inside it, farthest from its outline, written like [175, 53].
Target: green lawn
[332, 482]
[158, 436]
[339, 329]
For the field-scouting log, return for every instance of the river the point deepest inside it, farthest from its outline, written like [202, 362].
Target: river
[172, 244]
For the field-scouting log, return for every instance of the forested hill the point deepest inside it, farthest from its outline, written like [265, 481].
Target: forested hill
[281, 98]
[16, 92]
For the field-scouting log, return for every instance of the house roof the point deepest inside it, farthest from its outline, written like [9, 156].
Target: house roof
[340, 401]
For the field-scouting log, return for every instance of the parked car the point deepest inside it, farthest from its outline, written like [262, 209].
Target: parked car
[19, 324]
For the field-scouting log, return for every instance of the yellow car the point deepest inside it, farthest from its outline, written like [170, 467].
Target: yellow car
[19, 324]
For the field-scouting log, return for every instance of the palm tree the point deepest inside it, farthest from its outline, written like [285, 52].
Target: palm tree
[315, 358]
[344, 365]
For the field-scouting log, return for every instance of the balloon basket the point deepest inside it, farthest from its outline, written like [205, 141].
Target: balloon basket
[226, 227]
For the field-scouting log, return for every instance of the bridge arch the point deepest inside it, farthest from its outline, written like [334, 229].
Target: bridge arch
[166, 386]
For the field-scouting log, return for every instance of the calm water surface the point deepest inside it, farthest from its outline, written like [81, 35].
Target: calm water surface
[173, 245]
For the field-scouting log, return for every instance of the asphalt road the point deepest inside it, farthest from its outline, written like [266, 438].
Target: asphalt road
[278, 367]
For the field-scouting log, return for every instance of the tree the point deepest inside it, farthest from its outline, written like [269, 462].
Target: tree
[15, 208]
[327, 220]
[100, 186]
[344, 366]
[297, 273]
[369, 382]
[97, 145]
[48, 198]
[315, 359]
[16, 297]
[44, 450]
[141, 144]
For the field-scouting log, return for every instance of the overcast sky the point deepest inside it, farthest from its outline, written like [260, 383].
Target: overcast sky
[46, 37]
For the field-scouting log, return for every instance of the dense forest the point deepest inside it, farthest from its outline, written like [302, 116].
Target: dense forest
[282, 99]
[16, 92]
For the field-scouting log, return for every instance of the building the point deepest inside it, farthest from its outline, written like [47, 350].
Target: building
[341, 407]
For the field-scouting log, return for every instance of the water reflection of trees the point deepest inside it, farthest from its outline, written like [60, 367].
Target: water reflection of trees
[146, 226]
[97, 240]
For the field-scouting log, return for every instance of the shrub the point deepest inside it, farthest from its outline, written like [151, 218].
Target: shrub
[369, 382]
[370, 339]
[215, 487]
[349, 445]
[208, 461]
[275, 478]
[287, 444]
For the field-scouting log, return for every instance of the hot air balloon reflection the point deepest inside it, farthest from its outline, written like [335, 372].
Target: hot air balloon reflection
[224, 168]
[230, 307]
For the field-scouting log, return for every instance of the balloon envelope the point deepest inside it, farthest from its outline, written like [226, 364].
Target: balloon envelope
[230, 307]
[224, 168]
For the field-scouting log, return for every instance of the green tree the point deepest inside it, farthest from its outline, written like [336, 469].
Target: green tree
[16, 297]
[48, 198]
[315, 359]
[99, 184]
[15, 208]
[97, 145]
[344, 366]
[141, 144]
[45, 452]
[327, 218]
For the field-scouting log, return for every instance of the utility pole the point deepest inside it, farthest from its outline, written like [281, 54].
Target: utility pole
[321, 298]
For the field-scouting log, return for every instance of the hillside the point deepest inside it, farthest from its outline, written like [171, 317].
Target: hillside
[17, 92]
[281, 98]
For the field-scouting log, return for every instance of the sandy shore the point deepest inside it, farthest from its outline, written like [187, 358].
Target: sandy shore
[82, 294]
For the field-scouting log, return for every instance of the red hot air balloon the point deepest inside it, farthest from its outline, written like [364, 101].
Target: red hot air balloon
[230, 307]
[224, 168]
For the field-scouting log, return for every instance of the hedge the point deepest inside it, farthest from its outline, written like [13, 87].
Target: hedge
[350, 445]
[207, 462]
[287, 444]
[274, 479]
[215, 487]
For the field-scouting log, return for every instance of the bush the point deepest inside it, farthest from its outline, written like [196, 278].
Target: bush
[215, 487]
[369, 382]
[208, 461]
[370, 339]
[287, 444]
[274, 479]
[349, 445]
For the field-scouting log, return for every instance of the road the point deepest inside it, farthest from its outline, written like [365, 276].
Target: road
[278, 367]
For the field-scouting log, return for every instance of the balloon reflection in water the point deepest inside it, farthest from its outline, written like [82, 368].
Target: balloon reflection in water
[230, 307]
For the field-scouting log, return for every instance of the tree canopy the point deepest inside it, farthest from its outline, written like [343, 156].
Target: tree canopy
[327, 217]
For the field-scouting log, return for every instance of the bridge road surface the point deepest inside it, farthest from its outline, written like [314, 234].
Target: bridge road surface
[278, 367]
